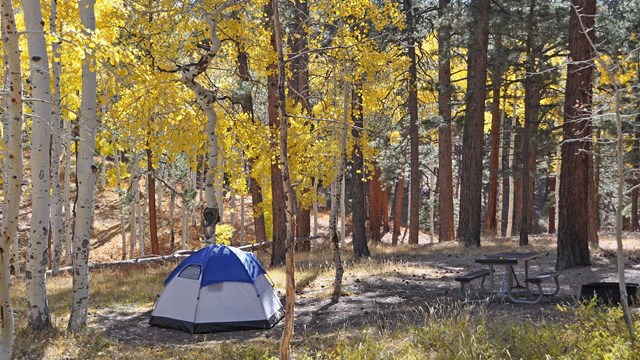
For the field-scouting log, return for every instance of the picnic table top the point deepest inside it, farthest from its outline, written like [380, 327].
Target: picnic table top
[507, 258]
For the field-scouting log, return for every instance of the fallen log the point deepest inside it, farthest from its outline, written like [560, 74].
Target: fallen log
[148, 260]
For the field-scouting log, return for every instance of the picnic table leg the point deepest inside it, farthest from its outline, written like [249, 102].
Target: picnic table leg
[491, 278]
[526, 274]
[509, 274]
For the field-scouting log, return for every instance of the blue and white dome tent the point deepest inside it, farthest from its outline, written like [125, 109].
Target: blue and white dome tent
[217, 288]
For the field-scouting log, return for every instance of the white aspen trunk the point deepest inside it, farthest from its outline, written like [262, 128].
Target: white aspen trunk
[121, 204]
[56, 149]
[500, 189]
[142, 219]
[39, 317]
[242, 217]
[339, 183]
[198, 189]
[134, 206]
[67, 195]
[432, 209]
[86, 172]
[557, 189]
[408, 202]
[133, 230]
[207, 98]
[341, 165]
[511, 178]
[343, 210]
[13, 172]
[218, 184]
[211, 198]
[186, 214]
[103, 173]
[315, 207]
[232, 211]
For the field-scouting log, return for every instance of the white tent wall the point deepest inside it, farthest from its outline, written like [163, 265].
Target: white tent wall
[178, 299]
[229, 302]
[268, 296]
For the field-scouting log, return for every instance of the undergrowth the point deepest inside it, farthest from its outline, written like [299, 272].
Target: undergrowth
[446, 330]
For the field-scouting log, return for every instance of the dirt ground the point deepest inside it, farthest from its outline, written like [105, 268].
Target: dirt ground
[413, 284]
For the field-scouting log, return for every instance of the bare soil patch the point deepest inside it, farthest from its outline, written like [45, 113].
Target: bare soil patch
[397, 285]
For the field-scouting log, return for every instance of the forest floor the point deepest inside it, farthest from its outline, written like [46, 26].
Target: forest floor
[397, 285]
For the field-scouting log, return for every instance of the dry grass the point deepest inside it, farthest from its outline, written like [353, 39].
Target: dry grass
[399, 304]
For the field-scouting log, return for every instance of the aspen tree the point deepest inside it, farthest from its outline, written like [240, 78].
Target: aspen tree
[39, 317]
[121, 202]
[13, 170]
[56, 148]
[86, 172]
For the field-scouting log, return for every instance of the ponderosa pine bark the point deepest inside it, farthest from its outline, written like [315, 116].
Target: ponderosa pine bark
[278, 204]
[376, 206]
[39, 80]
[551, 188]
[496, 80]
[446, 231]
[246, 102]
[86, 172]
[13, 170]
[298, 85]
[532, 95]
[472, 140]
[56, 147]
[358, 204]
[414, 135]
[397, 215]
[153, 217]
[573, 227]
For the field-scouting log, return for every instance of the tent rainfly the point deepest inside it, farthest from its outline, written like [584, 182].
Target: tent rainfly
[217, 288]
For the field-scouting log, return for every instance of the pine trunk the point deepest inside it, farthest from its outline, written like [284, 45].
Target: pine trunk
[290, 200]
[494, 158]
[358, 204]
[412, 103]
[500, 200]
[573, 226]
[472, 141]
[303, 223]
[172, 212]
[446, 231]
[551, 189]
[153, 217]
[375, 206]
[13, 170]
[512, 182]
[39, 317]
[532, 94]
[142, 221]
[397, 215]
